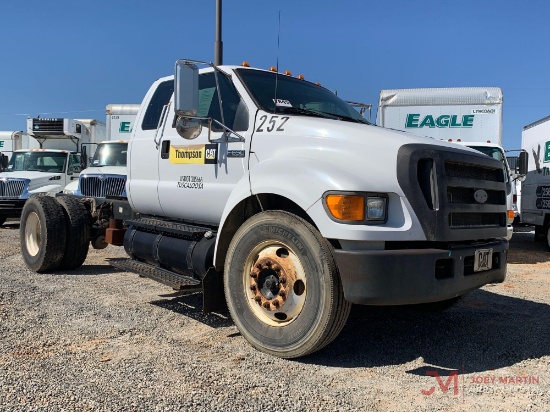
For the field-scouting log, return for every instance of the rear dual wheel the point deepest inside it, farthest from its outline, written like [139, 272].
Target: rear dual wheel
[282, 286]
[54, 233]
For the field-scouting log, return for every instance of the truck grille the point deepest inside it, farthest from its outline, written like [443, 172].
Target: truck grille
[11, 188]
[50, 127]
[455, 195]
[102, 186]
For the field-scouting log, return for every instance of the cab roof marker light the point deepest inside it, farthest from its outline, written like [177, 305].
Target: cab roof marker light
[245, 64]
[300, 76]
[272, 69]
[288, 73]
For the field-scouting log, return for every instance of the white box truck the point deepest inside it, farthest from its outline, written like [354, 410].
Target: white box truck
[535, 189]
[272, 194]
[470, 116]
[48, 169]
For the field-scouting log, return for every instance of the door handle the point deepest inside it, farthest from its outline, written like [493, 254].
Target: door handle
[165, 149]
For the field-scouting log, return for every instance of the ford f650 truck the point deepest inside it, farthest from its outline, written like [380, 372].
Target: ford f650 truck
[274, 195]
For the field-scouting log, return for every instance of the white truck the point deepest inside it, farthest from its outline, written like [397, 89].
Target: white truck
[470, 116]
[109, 159]
[49, 168]
[535, 189]
[273, 195]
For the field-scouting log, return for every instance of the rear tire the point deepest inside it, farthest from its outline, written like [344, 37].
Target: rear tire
[282, 286]
[2, 220]
[42, 233]
[78, 232]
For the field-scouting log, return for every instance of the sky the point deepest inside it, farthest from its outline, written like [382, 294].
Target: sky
[62, 58]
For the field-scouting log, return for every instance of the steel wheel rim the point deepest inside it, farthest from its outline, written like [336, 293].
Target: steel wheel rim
[274, 283]
[33, 233]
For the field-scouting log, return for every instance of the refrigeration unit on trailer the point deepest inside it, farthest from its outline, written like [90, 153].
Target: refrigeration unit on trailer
[469, 116]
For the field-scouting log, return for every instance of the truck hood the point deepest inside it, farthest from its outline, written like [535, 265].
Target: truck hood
[367, 152]
[37, 179]
[105, 170]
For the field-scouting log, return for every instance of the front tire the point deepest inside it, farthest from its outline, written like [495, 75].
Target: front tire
[42, 233]
[2, 220]
[282, 286]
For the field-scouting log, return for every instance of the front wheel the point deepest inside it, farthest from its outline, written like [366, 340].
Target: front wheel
[282, 286]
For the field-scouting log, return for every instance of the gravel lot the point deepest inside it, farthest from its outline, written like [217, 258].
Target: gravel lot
[100, 339]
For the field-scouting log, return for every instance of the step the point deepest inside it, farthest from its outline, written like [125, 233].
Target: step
[166, 277]
[172, 228]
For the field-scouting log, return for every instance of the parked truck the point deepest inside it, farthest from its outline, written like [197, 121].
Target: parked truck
[535, 189]
[49, 168]
[274, 196]
[470, 116]
[105, 175]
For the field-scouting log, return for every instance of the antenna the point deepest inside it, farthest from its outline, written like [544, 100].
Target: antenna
[218, 44]
[277, 72]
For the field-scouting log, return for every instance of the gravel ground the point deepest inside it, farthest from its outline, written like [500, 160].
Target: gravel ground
[100, 339]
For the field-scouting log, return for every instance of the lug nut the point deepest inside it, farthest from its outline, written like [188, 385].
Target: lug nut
[282, 294]
[258, 266]
[282, 280]
[253, 275]
[253, 288]
[276, 303]
[267, 305]
[258, 299]
[276, 268]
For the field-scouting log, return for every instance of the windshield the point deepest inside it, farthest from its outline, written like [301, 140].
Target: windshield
[110, 154]
[493, 152]
[295, 96]
[38, 161]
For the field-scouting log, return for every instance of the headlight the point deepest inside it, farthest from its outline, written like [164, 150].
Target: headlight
[356, 208]
[68, 192]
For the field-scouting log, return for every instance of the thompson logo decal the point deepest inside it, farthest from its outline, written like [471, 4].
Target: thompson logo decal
[445, 120]
[194, 155]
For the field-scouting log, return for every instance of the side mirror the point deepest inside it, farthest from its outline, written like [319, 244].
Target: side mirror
[523, 163]
[3, 162]
[186, 99]
[84, 158]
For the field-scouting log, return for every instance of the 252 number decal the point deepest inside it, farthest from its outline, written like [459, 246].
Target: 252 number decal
[275, 123]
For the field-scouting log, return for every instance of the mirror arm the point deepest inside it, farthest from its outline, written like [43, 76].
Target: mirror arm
[161, 122]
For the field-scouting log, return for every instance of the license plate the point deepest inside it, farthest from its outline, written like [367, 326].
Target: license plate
[483, 259]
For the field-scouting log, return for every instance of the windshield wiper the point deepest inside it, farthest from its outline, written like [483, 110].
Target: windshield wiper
[305, 112]
[348, 118]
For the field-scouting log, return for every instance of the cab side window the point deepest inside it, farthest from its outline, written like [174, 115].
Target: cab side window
[75, 165]
[160, 98]
[235, 112]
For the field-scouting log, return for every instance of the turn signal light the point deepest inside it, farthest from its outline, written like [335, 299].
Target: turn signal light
[346, 207]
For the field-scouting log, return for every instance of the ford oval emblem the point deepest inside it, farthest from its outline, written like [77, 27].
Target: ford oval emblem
[480, 196]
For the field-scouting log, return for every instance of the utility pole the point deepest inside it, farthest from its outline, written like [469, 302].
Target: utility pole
[218, 44]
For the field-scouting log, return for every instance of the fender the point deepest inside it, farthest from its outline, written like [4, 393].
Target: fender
[50, 189]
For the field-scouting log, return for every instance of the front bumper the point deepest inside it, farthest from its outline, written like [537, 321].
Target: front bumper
[410, 276]
[11, 207]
